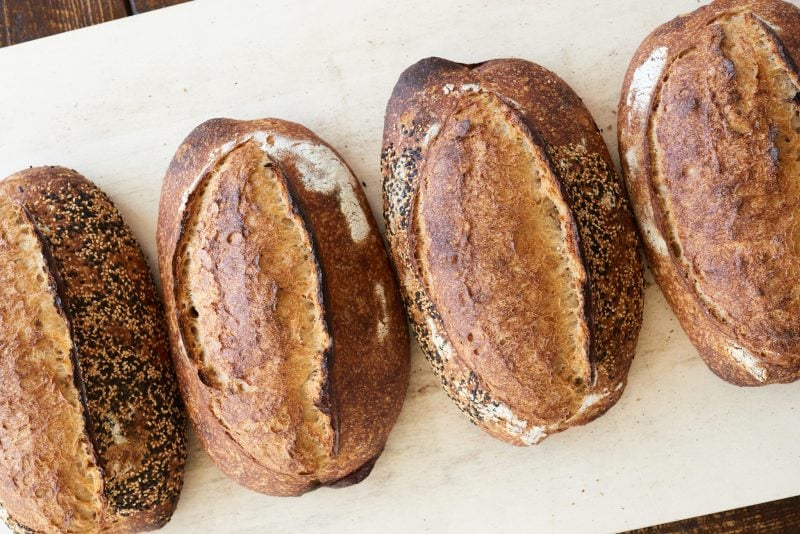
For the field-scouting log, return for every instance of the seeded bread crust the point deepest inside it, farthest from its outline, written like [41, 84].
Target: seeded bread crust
[709, 138]
[248, 416]
[438, 110]
[92, 274]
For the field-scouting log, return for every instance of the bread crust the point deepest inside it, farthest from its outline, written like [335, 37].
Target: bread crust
[123, 384]
[361, 382]
[709, 134]
[518, 395]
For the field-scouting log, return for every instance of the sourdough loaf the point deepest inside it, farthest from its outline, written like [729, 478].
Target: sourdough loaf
[709, 137]
[290, 342]
[93, 432]
[513, 242]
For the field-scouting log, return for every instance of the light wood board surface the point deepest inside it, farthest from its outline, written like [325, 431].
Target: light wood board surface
[114, 101]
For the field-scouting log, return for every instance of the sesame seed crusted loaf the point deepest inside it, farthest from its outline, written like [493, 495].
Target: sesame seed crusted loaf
[290, 342]
[513, 242]
[93, 431]
[709, 138]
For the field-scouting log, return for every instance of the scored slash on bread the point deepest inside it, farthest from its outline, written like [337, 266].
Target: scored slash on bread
[709, 138]
[93, 426]
[513, 242]
[290, 342]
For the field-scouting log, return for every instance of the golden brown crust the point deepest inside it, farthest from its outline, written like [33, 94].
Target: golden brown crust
[132, 413]
[356, 388]
[481, 280]
[41, 407]
[709, 136]
[252, 312]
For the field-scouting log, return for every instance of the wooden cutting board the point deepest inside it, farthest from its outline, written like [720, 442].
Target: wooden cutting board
[114, 101]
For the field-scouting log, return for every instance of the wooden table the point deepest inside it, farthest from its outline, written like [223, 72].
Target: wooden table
[24, 20]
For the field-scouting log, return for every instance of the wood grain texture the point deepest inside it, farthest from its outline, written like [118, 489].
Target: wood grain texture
[775, 516]
[140, 6]
[23, 20]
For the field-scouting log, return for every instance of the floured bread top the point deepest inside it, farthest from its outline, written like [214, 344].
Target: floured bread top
[727, 193]
[293, 357]
[319, 168]
[252, 315]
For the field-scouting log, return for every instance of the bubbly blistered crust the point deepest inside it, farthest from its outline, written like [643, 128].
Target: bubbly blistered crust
[132, 414]
[286, 221]
[709, 130]
[513, 242]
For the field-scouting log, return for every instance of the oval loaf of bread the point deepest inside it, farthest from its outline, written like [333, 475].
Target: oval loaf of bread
[709, 137]
[93, 431]
[513, 242]
[290, 342]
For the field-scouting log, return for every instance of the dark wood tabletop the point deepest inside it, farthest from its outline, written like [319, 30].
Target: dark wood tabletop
[24, 20]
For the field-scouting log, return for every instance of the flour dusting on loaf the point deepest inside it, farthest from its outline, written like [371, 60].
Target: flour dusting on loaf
[645, 78]
[709, 134]
[291, 347]
[323, 171]
[513, 242]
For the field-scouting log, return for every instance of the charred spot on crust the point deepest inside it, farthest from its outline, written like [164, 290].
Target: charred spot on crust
[473, 66]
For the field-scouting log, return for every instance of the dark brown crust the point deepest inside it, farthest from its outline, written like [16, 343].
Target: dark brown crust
[742, 322]
[60, 297]
[425, 96]
[366, 392]
[326, 402]
[357, 476]
[134, 416]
